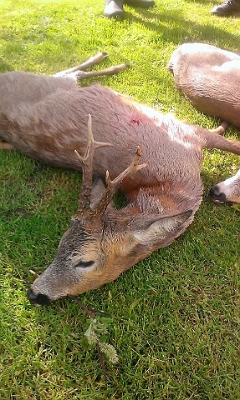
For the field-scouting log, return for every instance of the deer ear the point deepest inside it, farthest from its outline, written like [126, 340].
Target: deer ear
[149, 231]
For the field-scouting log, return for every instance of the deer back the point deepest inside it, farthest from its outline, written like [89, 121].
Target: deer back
[46, 118]
[54, 126]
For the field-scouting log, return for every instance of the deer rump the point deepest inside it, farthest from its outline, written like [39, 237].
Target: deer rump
[46, 118]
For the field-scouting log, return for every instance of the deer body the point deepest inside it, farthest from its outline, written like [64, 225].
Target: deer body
[209, 77]
[46, 118]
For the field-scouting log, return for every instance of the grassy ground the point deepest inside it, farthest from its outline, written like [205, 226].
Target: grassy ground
[175, 315]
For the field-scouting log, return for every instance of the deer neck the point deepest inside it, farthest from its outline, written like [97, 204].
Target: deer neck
[166, 198]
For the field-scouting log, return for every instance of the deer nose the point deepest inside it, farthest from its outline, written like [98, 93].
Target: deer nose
[38, 299]
[217, 195]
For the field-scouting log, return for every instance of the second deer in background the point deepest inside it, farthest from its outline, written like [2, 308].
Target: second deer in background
[209, 77]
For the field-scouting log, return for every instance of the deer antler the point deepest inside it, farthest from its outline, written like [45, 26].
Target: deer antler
[87, 169]
[113, 186]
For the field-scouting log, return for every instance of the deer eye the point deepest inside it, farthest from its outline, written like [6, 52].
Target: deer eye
[84, 264]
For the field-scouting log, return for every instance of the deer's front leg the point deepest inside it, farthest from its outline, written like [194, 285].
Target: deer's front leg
[78, 73]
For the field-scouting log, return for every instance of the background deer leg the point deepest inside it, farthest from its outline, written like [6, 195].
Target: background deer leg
[78, 73]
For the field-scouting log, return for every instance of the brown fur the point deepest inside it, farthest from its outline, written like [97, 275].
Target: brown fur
[209, 77]
[46, 118]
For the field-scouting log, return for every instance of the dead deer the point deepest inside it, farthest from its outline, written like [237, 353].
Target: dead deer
[46, 118]
[209, 77]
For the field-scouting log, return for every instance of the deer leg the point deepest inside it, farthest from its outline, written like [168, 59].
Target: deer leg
[78, 73]
[221, 129]
[89, 63]
[6, 146]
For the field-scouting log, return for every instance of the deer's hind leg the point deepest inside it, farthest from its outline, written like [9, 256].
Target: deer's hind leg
[78, 73]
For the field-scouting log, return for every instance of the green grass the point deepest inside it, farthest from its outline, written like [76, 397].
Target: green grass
[176, 314]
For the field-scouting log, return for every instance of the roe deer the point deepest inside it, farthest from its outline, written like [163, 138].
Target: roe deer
[46, 118]
[209, 77]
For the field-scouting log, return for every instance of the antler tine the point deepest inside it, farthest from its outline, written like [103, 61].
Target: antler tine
[130, 170]
[113, 186]
[87, 168]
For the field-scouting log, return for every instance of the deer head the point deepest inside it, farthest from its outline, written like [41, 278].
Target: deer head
[101, 242]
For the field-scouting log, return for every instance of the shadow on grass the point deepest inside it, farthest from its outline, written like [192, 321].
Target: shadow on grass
[169, 25]
[182, 30]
